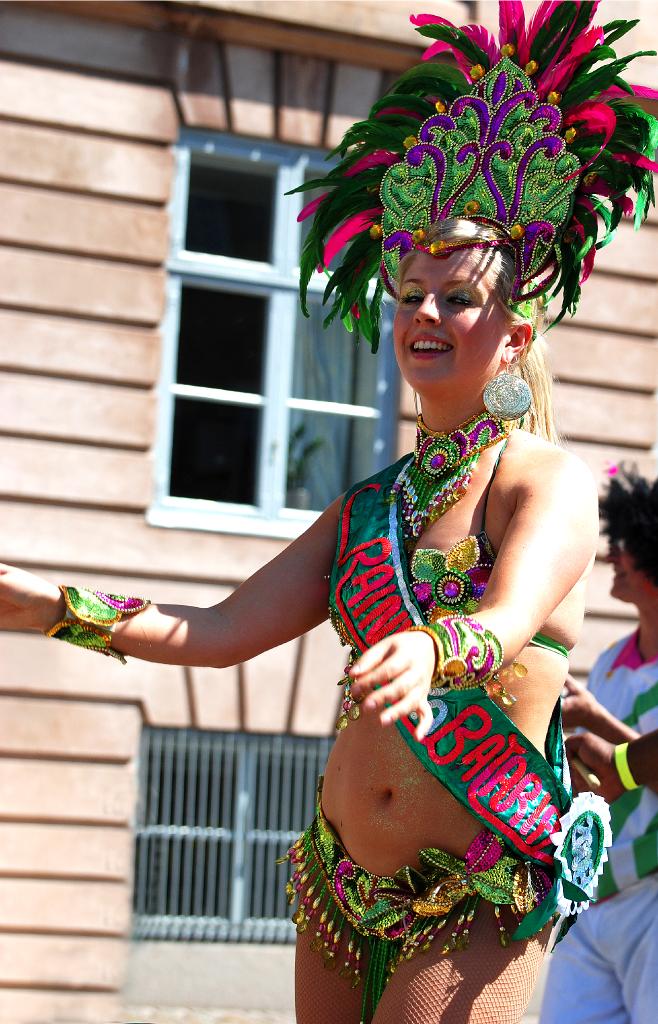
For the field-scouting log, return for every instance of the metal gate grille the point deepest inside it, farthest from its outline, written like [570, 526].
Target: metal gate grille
[215, 811]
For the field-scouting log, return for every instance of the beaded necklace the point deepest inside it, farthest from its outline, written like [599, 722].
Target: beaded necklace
[442, 468]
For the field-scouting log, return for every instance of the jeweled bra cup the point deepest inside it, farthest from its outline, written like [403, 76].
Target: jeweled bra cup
[452, 581]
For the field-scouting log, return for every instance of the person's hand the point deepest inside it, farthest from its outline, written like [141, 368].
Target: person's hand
[579, 707]
[599, 757]
[394, 677]
[28, 601]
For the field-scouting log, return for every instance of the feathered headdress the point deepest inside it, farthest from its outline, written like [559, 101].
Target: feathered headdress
[536, 134]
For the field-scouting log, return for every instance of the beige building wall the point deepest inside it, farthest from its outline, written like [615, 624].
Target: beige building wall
[92, 98]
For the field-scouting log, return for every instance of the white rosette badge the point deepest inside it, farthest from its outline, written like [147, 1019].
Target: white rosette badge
[581, 851]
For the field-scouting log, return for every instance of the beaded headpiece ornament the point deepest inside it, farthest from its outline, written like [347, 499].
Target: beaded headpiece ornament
[535, 136]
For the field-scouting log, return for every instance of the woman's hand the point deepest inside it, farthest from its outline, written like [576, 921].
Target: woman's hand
[579, 708]
[394, 677]
[28, 601]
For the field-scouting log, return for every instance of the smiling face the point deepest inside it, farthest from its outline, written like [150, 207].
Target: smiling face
[451, 333]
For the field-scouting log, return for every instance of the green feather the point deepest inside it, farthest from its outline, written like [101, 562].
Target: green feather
[431, 77]
[614, 30]
[455, 37]
[560, 27]
[416, 104]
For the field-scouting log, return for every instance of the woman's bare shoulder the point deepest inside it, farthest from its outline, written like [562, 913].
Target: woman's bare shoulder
[532, 461]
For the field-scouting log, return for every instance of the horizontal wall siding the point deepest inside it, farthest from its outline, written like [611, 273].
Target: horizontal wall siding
[76, 410]
[45, 1005]
[91, 227]
[54, 283]
[64, 851]
[88, 102]
[85, 178]
[66, 160]
[59, 346]
[48, 470]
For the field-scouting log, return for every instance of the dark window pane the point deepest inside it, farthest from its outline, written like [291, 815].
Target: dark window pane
[329, 366]
[221, 340]
[230, 212]
[326, 455]
[214, 451]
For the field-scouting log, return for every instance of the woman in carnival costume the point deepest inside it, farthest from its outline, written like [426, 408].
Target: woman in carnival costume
[446, 841]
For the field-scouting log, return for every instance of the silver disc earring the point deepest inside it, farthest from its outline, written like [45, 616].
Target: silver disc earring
[416, 404]
[507, 396]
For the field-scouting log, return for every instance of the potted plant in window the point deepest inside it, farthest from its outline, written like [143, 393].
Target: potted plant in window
[300, 453]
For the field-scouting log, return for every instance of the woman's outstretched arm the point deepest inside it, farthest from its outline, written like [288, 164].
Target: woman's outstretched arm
[284, 599]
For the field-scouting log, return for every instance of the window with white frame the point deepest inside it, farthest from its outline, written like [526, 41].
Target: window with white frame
[264, 416]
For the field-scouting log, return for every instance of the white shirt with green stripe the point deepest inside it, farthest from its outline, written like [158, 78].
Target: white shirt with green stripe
[631, 694]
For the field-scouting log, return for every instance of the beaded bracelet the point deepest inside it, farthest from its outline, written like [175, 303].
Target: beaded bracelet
[438, 654]
[623, 768]
[467, 654]
[90, 615]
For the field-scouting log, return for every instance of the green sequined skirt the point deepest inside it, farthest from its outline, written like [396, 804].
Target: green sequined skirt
[388, 919]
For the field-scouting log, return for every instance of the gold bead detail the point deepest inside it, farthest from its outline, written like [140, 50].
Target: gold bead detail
[437, 247]
[440, 107]
[477, 72]
[419, 236]
[554, 97]
[590, 177]
[471, 207]
[570, 134]
[531, 68]
[410, 141]
[375, 232]
[517, 231]
[508, 50]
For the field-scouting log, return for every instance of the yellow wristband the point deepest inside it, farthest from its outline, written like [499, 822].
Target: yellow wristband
[623, 770]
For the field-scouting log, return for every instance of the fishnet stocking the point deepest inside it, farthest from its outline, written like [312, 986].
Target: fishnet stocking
[484, 984]
[322, 996]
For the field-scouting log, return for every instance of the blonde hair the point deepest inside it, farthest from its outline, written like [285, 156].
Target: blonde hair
[533, 366]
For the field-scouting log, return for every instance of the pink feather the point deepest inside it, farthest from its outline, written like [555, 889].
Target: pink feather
[398, 110]
[428, 19]
[476, 34]
[564, 40]
[480, 36]
[558, 75]
[311, 207]
[596, 118]
[342, 235]
[588, 264]
[538, 20]
[380, 156]
[511, 19]
[636, 160]
[612, 93]
[463, 64]
[645, 92]
[599, 187]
